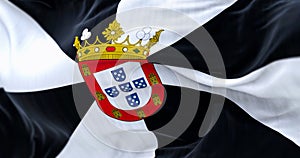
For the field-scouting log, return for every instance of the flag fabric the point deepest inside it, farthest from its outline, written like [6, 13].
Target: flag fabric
[258, 42]
[26, 56]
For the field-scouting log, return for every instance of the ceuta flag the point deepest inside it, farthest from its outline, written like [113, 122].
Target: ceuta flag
[38, 111]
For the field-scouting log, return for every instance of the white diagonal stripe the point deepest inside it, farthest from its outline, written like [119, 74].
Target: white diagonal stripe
[30, 59]
[270, 94]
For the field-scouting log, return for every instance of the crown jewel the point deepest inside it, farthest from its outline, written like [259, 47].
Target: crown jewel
[111, 49]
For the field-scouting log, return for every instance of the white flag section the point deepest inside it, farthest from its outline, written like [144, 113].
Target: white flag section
[270, 94]
[101, 136]
[177, 17]
[30, 60]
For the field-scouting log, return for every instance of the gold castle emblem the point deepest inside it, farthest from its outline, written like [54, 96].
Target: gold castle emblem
[116, 113]
[141, 113]
[111, 49]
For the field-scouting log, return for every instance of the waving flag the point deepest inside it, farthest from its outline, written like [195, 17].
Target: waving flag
[37, 105]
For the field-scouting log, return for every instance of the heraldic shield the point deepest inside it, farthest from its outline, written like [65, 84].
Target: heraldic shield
[125, 86]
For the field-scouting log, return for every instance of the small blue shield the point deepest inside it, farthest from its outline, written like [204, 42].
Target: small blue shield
[119, 74]
[133, 100]
[140, 83]
[112, 91]
[126, 87]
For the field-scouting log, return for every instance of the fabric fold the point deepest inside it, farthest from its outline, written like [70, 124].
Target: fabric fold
[178, 18]
[268, 94]
[99, 135]
[31, 60]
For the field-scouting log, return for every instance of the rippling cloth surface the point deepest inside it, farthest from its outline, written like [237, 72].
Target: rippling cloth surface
[249, 34]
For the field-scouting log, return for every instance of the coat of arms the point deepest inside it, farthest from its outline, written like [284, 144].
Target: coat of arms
[118, 74]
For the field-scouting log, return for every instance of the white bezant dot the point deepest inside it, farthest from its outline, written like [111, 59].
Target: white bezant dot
[125, 49]
[112, 32]
[96, 49]
[134, 97]
[136, 101]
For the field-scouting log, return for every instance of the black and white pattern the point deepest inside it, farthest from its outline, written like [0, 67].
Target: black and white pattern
[250, 34]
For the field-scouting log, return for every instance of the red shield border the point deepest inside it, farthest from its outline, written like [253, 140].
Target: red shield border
[87, 68]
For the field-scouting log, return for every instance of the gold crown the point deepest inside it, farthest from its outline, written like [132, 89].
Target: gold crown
[111, 49]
